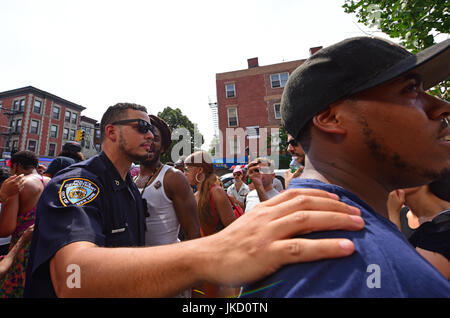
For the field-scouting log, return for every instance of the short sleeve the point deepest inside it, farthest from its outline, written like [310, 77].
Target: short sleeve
[68, 211]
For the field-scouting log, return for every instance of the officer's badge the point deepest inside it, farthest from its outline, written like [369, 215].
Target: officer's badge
[77, 191]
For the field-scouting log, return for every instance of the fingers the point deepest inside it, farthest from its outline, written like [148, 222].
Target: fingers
[298, 172]
[306, 199]
[305, 250]
[304, 222]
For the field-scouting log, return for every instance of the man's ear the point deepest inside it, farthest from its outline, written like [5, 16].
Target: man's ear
[329, 121]
[111, 132]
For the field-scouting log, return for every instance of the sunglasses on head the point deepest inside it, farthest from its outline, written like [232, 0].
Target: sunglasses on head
[292, 142]
[142, 126]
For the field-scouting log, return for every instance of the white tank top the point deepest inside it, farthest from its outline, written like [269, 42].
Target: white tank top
[162, 224]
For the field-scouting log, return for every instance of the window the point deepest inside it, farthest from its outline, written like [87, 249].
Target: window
[277, 110]
[32, 145]
[67, 116]
[232, 117]
[72, 135]
[37, 106]
[15, 145]
[19, 105]
[65, 134]
[18, 125]
[252, 132]
[230, 90]
[55, 112]
[51, 150]
[74, 118]
[54, 131]
[278, 80]
[235, 145]
[34, 127]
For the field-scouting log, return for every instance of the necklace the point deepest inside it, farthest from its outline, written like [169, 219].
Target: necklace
[151, 178]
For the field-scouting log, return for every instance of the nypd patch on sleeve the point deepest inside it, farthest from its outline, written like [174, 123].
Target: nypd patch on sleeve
[77, 191]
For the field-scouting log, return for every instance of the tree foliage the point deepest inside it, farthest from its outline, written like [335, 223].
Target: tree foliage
[176, 119]
[416, 23]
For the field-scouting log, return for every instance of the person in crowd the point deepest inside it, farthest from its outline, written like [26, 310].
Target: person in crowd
[298, 160]
[261, 173]
[361, 141]
[19, 213]
[214, 209]
[70, 154]
[8, 260]
[41, 169]
[91, 219]
[170, 201]
[238, 190]
[4, 241]
[430, 206]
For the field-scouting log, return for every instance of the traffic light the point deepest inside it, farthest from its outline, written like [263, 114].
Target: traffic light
[80, 135]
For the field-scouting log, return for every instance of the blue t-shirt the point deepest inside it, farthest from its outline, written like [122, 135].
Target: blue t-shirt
[384, 264]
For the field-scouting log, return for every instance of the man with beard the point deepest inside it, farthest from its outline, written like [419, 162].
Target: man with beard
[170, 201]
[361, 114]
[90, 219]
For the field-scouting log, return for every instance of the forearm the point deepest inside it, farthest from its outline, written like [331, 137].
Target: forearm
[261, 193]
[130, 272]
[8, 259]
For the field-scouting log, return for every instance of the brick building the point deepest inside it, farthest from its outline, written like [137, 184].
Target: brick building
[250, 99]
[35, 120]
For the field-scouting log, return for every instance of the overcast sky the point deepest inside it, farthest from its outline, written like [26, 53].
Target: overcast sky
[156, 53]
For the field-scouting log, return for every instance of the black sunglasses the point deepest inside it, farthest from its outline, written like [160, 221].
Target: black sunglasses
[292, 142]
[142, 126]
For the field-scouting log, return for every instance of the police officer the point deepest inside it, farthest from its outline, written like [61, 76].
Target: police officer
[94, 205]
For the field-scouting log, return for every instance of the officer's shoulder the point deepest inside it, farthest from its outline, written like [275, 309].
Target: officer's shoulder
[91, 169]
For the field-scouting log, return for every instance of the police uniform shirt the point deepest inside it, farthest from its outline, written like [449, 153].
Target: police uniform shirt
[88, 201]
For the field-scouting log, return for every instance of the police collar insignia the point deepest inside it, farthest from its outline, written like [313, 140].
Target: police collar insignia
[77, 191]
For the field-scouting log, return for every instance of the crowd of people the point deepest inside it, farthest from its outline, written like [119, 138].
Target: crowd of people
[358, 197]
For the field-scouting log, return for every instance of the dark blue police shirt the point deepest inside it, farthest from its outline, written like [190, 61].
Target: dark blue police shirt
[384, 264]
[87, 201]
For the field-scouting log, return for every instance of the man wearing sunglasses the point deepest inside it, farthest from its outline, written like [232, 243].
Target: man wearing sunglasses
[90, 219]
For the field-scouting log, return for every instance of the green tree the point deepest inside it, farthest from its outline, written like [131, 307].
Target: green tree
[175, 119]
[416, 23]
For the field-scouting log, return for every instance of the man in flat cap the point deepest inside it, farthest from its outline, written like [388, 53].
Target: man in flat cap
[360, 112]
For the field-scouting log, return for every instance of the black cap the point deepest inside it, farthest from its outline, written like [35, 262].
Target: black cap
[352, 66]
[71, 146]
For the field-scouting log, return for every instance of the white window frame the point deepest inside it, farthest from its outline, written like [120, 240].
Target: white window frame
[40, 106]
[237, 116]
[74, 115]
[72, 134]
[57, 128]
[66, 136]
[18, 128]
[37, 128]
[249, 131]
[35, 145]
[278, 75]
[53, 112]
[226, 90]
[54, 149]
[65, 116]
[275, 110]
